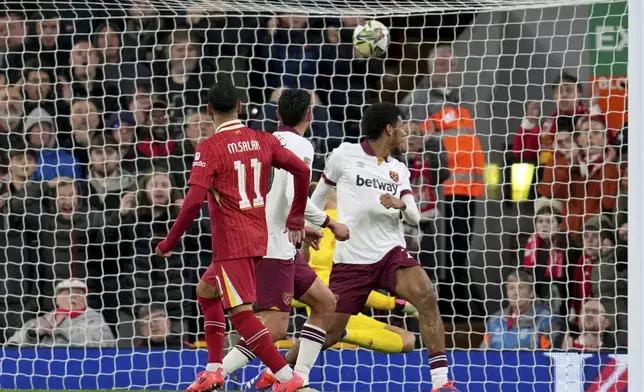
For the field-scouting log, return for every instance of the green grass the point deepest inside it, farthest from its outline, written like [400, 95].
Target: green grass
[84, 390]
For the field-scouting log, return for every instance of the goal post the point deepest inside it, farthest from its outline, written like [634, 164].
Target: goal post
[102, 106]
[635, 10]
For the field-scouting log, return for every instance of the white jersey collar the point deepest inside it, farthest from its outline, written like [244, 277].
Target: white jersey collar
[230, 126]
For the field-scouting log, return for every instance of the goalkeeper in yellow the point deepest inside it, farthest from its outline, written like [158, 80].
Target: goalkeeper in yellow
[361, 330]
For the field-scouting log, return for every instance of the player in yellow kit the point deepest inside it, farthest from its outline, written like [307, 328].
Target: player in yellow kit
[361, 330]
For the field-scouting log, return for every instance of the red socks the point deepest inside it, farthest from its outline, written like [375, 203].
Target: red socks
[214, 327]
[258, 340]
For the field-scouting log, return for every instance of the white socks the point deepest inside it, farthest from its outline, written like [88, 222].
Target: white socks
[439, 377]
[311, 342]
[213, 367]
[237, 358]
[284, 374]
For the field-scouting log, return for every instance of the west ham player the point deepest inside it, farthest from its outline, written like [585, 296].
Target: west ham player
[374, 196]
[284, 275]
[233, 168]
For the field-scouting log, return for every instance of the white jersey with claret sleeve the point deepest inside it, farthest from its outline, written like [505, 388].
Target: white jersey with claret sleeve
[280, 197]
[360, 179]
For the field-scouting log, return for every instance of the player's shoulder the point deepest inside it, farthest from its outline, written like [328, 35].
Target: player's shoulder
[294, 141]
[399, 166]
[346, 148]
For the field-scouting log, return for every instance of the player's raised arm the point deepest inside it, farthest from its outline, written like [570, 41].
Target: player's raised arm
[285, 159]
[189, 211]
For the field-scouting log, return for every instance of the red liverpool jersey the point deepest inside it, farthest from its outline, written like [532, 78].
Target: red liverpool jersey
[235, 164]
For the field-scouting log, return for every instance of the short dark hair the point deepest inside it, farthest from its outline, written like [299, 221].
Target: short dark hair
[566, 78]
[44, 14]
[223, 97]
[293, 105]
[376, 118]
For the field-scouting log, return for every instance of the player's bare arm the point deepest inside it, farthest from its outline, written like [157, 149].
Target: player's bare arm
[312, 238]
[189, 211]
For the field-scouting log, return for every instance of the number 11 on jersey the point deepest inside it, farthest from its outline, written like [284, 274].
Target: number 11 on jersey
[244, 202]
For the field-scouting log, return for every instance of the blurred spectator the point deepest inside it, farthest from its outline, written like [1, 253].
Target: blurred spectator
[525, 324]
[18, 207]
[156, 329]
[158, 140]
[199, 127]
[13, 32]
[455, 128]
[144, 29]
[107, 181]
[347, 80]
[440, 86]
[122, 128]
[157, 280]
[532, 136]
[592, 323]
[428, 169]
[141, 102]
[45, 47]
[84, 78]
[585, 180]
[621, 215]
[292, 50]
[182, 78]
[42, 47]
[11, 113]
[228, 46]
[52, 162]
[69, 232]
[39, 89]
[545, 255]
[601, 273]
[71, 324]
[120, 68]
[85, 121]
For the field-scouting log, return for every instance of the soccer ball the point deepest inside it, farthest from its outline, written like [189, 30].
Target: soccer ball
[371, 38]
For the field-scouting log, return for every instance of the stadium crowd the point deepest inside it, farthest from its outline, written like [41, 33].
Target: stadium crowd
[100, 115]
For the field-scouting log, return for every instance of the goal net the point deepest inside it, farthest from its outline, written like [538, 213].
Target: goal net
[518, 128]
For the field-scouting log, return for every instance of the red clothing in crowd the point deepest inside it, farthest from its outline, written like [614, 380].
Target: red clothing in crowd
[527, 143]
[420, 178]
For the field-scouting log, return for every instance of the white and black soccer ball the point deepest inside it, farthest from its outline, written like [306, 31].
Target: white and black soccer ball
[371, 38]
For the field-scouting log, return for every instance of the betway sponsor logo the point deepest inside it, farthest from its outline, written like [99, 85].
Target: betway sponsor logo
[377, 184]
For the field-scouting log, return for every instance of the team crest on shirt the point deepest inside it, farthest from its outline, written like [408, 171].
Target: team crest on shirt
[336, 298]
[287, 298]
[394, 176]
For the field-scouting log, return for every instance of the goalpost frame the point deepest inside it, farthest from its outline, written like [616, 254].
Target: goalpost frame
[636, 189]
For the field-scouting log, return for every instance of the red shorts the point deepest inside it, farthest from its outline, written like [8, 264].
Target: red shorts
[351, 284]
[235, 280]
[279, 281]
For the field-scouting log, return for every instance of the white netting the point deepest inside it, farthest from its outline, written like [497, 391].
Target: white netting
[102, 105]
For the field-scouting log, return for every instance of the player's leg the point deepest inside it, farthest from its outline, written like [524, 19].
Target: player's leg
[413, 284]
[350, 285]
[374, 335]
[309, 289]
[209, 298]
[274, 279]
[236, 279]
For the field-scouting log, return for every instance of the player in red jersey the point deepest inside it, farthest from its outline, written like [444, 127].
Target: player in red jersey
[233, 168]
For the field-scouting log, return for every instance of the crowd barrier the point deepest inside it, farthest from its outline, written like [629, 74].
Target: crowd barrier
[337, 370]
